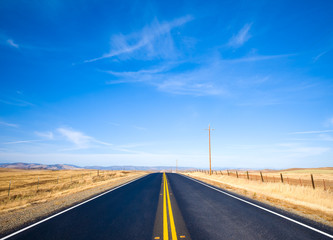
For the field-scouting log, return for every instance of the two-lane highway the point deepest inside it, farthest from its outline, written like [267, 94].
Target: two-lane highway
[172, 206]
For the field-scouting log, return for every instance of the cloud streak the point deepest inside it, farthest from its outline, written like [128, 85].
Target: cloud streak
[312, 132]
[241, 37]
[23, 141]
[48, 135]
[79, 139]
[9, 124]
[11, 43]
[257, 58]
[316, 58]
[210, 77]
[154, 40]
[16, 102]
[198, 82]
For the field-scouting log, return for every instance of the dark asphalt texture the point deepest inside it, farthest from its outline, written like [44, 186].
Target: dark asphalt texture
[131, 212]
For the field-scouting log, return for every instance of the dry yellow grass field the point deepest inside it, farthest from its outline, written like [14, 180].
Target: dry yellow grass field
[28, 187]
[316, 203]
[323, 177]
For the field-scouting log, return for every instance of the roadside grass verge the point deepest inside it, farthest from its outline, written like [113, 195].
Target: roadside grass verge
[23, 188]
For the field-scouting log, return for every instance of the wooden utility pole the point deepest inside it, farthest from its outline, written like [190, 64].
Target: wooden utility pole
[210, 155]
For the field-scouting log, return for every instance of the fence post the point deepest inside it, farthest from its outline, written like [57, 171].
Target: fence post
[324, 185]
[221, 173]
[228, 172]
[262, 179]
[10, 182]
[247, 174]
[237, 174]
[281, 177]
[313, 185]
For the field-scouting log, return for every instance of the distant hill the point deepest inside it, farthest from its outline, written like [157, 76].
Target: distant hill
[38, 166]
[139, 168]
[73, 167]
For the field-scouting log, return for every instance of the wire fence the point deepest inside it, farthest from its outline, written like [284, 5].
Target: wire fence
[309, 180]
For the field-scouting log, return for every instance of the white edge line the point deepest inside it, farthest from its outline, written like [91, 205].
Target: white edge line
[262, 208]
[66, 210]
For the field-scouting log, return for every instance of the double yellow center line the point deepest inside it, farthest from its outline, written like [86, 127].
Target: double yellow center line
[167, 206]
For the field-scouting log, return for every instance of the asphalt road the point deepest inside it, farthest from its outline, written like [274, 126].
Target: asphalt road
[173, 207]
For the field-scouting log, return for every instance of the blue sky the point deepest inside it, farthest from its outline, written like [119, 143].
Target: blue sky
[138, 82]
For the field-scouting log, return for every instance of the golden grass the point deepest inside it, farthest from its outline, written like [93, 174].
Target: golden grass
[29, 187]
[316, 204]
[328, 171]
[323, 178]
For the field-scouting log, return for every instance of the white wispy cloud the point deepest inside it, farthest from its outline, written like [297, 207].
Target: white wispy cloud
[22, 141]
[12, 43]
[79, 139]
[48, 135]
[154, 40]
[16, 102]
[241, 37]
[316, 58]
[257, 58]
[312, 132]
[200, 81]
[8, 41]
[207, 76]
[135, 74]
[181, 84]
[9, 124]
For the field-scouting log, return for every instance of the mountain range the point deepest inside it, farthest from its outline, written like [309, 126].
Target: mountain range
[74, 167]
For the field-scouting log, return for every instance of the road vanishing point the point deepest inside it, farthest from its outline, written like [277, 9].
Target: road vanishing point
[172, 206]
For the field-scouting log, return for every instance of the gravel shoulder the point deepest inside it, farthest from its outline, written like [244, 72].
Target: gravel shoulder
[14, 220]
